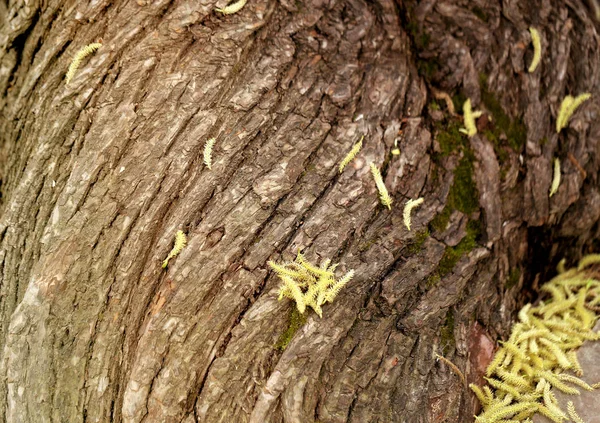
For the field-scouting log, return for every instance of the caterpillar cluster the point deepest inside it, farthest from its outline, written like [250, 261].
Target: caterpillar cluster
[567, 108]
[309, 285]
[541, 347]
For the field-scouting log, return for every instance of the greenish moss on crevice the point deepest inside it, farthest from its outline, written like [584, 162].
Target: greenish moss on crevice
[479, 12]
[514, 129]
[296, 321]
[453, 254]
[417, 243]
[459, 99]
[434, 106]
[447, 340]
[449, 137]
[428, 68]
[463, 195]
[513, 278]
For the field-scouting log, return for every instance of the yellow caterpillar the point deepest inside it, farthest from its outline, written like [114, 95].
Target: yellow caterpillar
[537, 49]
[469, 117]
[572, 413]
[180, 241]
[555, 178]
[208, 147]
[567, 108]
[233, 7]
[384, 197]
[410, 204]
[351, 154]
[81, 54]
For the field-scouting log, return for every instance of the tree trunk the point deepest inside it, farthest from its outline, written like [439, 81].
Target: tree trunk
[98, 175]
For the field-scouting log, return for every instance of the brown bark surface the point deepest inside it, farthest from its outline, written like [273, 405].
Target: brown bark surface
[98, 175]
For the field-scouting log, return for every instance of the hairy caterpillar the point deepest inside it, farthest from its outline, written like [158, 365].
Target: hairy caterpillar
[523, 317]
[551, 403]
[335, 288]
[575, 380]
[572, 413]
[351, 154]
[384, 197]
[587, 260]
[410, 204]
[555, 178]
[498, 359]
[208, 147]
[180, 241]
[479, 394]
[291, 290]
[233, 7]
[469, 119]
[79, 56]
[537, 49]
[567, 108]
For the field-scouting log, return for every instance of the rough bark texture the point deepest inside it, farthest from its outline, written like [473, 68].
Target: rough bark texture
[98, 175]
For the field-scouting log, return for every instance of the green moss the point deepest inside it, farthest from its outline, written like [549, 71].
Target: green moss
[514, 129]
[440, 222]
[432, 280]
[428, 68]
[366, 245]
[447, 334]
[449, 137]
[544, 141]
[434, 105]
[463, 194]
[513, 278]
[453, 254]
[458, 100]
[296, 321]
[418, 241]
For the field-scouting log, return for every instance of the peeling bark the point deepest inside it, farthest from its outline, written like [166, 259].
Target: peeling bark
[98, 175]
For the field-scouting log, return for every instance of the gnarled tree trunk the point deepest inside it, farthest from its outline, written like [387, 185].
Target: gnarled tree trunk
[99, 174]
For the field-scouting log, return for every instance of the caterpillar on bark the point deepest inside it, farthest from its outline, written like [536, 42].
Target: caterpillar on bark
[78, 58]
[537, 49]
[180, 241]
[567, 108]
[232, 8]
[384, 196]
[208, 147]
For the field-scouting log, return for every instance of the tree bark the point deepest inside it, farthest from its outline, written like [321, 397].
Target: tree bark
[98, 175]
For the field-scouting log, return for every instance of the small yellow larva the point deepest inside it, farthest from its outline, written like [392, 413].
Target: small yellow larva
[537, 49]
[81, 54]
[233, 7]
[208, 147]
[384, 197]
[180, 241]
